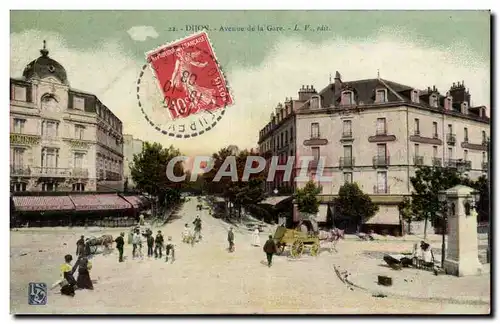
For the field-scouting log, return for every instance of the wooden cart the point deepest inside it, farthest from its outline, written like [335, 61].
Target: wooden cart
[298, 241]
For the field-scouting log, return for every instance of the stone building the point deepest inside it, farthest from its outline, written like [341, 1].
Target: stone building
[131, 146]
[61, 138]
[375, 132]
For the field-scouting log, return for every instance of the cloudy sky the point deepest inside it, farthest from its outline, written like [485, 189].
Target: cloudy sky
[103, 51]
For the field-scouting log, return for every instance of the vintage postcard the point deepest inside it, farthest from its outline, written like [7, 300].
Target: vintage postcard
[250, 162]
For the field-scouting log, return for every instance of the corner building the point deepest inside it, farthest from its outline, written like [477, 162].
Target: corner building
[375, 132]
[61, 138]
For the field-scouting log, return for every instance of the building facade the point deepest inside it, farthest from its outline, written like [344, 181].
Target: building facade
[376, 132]
[61, 139]
[131, 146]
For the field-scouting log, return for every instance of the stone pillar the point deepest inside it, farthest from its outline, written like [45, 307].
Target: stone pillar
[462, 253]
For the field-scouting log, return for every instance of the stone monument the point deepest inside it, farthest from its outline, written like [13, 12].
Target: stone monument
[462, 252]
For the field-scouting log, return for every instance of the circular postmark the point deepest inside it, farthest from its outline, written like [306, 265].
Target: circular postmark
[184, 93]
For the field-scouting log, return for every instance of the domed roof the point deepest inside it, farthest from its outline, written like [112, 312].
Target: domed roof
[44, 66]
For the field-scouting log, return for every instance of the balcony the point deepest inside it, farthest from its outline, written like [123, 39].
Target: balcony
[346, 136]
[437, 162]
[463, 165]
[113, 176]
[451, 139]
[24, 139]
[19, 170]
[52, 172]
[418, 160]
[381, 190]
[346, 162]
[381, 136]
[80, 173]
[381, 161]
[484, 166]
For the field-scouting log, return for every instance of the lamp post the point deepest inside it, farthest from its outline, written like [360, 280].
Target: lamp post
[442, 199]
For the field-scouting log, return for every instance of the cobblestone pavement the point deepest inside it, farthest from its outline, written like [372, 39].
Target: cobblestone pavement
[205, 278]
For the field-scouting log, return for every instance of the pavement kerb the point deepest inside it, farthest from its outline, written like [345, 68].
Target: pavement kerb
[450, 300]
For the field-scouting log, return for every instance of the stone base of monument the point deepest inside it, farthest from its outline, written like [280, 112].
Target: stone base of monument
[463, 268]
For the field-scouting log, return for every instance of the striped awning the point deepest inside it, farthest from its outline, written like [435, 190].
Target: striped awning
[99, 202]
[41, 203]
[135, 201]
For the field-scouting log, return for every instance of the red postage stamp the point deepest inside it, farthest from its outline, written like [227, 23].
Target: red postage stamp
[189, 76]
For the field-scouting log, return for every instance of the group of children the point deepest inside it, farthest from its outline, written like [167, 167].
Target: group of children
[151, 241]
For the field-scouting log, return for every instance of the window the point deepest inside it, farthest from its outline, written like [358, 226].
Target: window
[483, 133]
[49, 129]
[78, 187]
[435, 151]
[347, 177]
[314, 103]
[466, 134]
[286, 137]
[417, 126]
[450, 153]
[19, 186]
[50, 158]
[17, 157]
[381, 95]
[79, 131]
[415, 97]
[347, 98]
[484, 157]
[315, 153]
[19, 93]
[49, 186]
[315, 130]
[381, 182]
[347, 128]
[466, 155]
[347, 151]
[282, 142]
[78, 103]
[417, 149]
[291, 133]
[78, 160]
[450, 129]
[433, 101]
[381, 126]
[435, 130]
[19, 125]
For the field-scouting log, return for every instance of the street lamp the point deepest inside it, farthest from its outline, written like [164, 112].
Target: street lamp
[442, 197]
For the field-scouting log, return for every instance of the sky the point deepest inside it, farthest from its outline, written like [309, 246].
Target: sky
[103, 52]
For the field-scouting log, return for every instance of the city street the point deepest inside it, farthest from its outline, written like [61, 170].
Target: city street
[204, 278]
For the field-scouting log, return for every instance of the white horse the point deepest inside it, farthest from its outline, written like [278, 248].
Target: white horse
[332, 236]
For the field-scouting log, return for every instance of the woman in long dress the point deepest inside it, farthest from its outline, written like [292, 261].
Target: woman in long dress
[83, 281]
[256, 237]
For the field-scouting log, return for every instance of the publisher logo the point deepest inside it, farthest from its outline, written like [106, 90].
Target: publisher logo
[37, 293]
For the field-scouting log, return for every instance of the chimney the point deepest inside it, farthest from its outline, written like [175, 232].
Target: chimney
[337, 82]
[448, 102]
[306, 92]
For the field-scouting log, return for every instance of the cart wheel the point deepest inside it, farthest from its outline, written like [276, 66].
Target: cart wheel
[315, 249]
[297, 248]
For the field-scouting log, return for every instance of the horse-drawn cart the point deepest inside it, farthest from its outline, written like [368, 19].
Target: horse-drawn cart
[297, 240]
[99, 244]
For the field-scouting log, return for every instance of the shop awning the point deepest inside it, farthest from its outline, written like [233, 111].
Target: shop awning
[135, 201]
[387, 215]
[274, 200]
[99, 202]
[41, 203]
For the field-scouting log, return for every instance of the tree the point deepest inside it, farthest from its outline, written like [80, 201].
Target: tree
[148, 171]
[354, 205]
[427, 183]
[307, 198]
[483, 205]
[405, 211]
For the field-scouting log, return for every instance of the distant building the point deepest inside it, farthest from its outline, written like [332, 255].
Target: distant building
[131, 146]
[375, 132]
[61, 139]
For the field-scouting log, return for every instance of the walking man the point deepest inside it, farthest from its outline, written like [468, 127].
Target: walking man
[120, 242]
[197, 228]
[230, 239]
[270, 249]
[159, 245]
[150, 241]
[80, 246]
[168, 248]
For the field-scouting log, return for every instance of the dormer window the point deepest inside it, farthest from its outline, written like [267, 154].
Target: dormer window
[465, 108]
[314, 104]
[433, 101]
[347, 98]
[19, 93]
[415, 96]
[381, 96]
[78, 103]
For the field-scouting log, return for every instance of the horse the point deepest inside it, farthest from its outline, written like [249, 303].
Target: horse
[332, 236]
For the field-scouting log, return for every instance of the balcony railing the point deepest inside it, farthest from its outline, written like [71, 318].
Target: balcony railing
[484, 166]
[466, 140]
[381, 161]
[418, 160]
[381, 190]
[451, 139]
[346, 162]
[80, 173]
[347, 134]
[464, 165]
[113, 176]
[20, 170]
[50, 172]
[435, 136]
[437, 162]
[416, 133]
[315, 135]
[381, 132]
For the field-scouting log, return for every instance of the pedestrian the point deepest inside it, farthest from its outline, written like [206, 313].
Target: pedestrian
[120, 242]
[150, 241]
[270, 249]
[159, 245]
[83, 280]
[136, 244]
[68, 282]
[80, 246]
[256, 237]
[170, 248]
[230, 239]
[197, 228]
